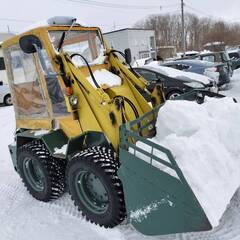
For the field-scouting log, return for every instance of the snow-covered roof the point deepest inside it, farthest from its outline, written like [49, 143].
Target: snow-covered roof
[233, 50]
[174, 73]
[205, 51]
[214, 44]
[141, 62]
[191, 52]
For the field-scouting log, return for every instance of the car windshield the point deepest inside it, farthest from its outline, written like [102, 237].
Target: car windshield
[87, 43]
[226, 57]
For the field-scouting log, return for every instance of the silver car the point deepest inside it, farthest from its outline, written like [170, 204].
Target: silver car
[5, 96]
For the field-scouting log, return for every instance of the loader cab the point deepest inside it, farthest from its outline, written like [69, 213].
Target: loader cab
[34, 83]
[35, 78]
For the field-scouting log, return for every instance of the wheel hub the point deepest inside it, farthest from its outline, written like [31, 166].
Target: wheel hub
[34, 174]
[92, 192]
[174, 95]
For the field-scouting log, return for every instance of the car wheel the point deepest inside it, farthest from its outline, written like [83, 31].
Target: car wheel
[8, 100]
[172, 95]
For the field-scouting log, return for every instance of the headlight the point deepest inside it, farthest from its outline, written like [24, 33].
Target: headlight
[73, 101]
[195, 84]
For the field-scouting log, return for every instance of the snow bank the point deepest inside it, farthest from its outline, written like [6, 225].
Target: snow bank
[233, 89]
[105, 78]
[40, 132]
[7, 128]
[62, 150]
[174, 73]
[205, 142]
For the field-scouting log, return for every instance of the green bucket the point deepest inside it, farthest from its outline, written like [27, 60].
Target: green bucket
[158, 198]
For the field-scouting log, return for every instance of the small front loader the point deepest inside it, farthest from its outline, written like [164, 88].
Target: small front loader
[75, 131]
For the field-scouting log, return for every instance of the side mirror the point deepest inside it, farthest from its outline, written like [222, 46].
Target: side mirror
[30, 43]
[128, 55]
[1, 83]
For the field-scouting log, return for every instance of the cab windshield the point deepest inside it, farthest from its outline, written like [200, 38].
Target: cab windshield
[87, 43]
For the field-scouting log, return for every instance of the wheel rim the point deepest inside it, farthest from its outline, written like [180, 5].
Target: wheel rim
[9, 100]
[91, 192]
[33, 174]
[174, 95]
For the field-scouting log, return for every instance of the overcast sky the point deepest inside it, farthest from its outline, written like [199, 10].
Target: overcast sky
[27, 11]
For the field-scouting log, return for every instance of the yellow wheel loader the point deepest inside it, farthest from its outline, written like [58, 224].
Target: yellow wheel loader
[78, 118]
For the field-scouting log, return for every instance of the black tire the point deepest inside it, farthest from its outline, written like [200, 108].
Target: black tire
[173, 94]
[7, 100]
[100, 162]
[52, 171]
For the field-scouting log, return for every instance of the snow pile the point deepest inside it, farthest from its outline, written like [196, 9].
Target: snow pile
[212, 73]
[40, 132]
[204, 140]
[62, 150]
[234, 86]
[174, 73]
[105, 79]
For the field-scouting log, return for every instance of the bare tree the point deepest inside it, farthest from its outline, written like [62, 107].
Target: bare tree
[199, 31]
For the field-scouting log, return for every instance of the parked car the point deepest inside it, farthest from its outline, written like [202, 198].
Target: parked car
[5, 96]
[235, 58]
[217, 57]
[175, 82]
[216, 71]
[3, 72]
[141, 62]
[188, 54]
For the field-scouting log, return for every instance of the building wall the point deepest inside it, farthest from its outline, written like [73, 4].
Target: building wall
[141, 42]
[118, 40]
[166, 52]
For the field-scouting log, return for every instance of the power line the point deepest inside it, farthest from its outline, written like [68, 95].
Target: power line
[120, 6]
[210, 15]
[200, 11]
[16, 20]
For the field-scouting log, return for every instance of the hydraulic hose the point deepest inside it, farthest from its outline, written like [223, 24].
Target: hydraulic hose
[128, 101]
[89, 68]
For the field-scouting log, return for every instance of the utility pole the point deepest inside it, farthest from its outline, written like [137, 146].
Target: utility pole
[8, 28]
[183, 29]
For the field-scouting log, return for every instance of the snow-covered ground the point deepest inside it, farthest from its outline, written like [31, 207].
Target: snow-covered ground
[24, 218]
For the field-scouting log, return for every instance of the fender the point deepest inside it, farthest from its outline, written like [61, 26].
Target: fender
[58, 144]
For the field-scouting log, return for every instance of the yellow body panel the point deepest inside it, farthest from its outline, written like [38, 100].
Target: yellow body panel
[34, 123]
[70, 127]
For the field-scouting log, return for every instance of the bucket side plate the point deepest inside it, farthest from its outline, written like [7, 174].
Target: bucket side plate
[158, 203]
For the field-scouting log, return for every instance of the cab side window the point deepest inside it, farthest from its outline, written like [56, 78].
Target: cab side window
[54, 90]
[28, 95]
[2, 64]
